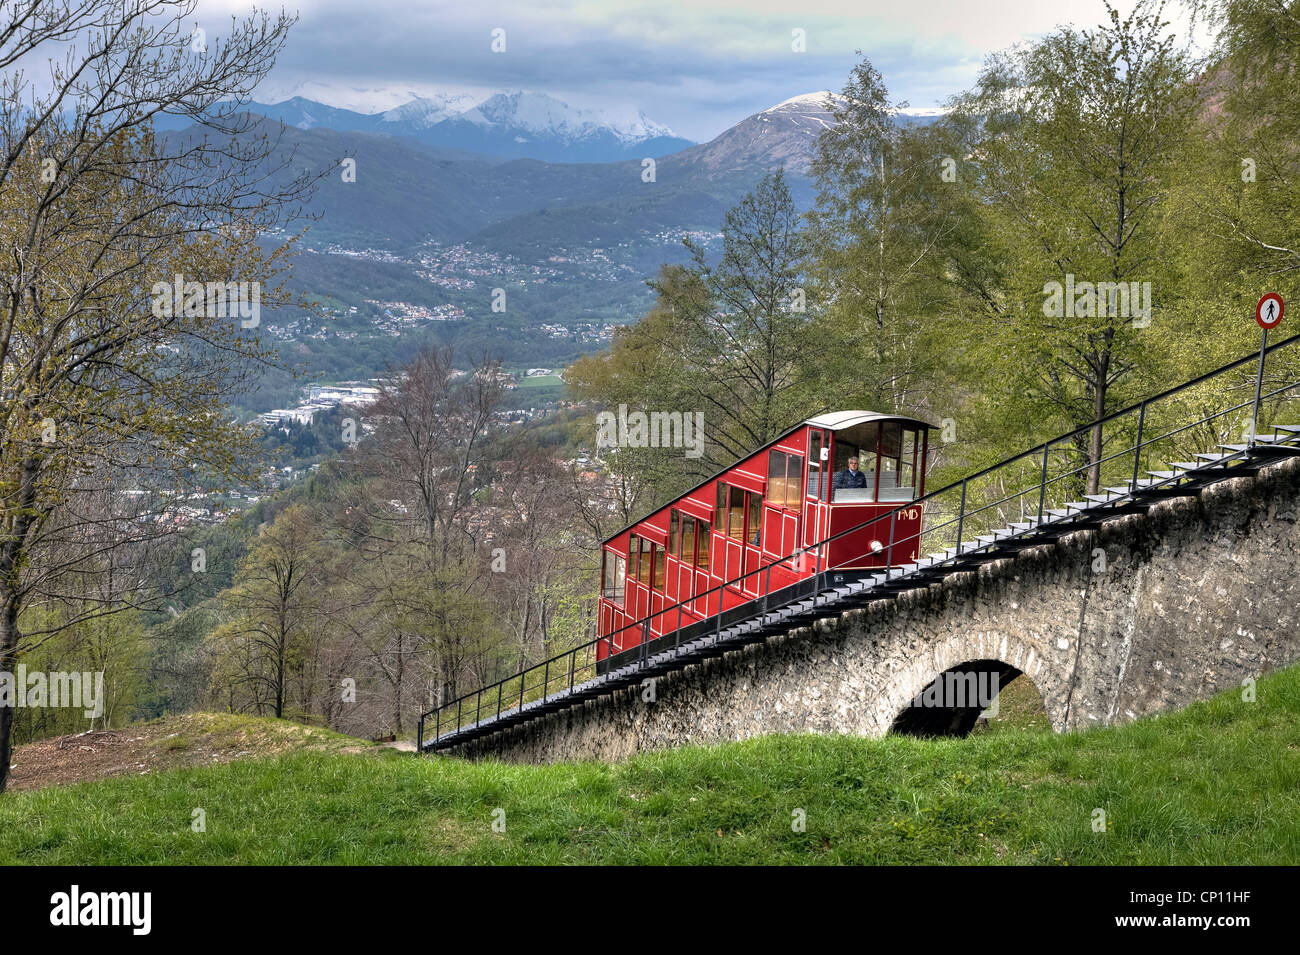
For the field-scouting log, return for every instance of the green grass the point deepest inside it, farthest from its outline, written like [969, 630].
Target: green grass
[1218, 782]
[542, 381]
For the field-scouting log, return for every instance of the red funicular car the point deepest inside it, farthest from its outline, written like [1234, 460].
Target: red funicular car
[763, 527]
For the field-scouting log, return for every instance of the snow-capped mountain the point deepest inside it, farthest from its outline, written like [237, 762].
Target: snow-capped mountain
[784, 135]
[531, 125]
[540, 115]
[538, 126]
[518, 125]
[425, 111]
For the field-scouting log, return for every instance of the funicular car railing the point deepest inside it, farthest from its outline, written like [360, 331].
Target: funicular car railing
[565, 671]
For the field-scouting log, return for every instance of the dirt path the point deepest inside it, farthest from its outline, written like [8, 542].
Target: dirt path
[195, 739]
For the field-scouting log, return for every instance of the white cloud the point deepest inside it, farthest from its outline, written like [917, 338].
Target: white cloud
[696, 66]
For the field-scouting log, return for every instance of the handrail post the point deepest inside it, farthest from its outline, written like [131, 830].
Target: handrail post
[419, 737]
[1137, 448]
[889, 554]
[1042, 485]
[546, 679]
[1259, 385]
[437, 724]
[961, 516]
[501, 688]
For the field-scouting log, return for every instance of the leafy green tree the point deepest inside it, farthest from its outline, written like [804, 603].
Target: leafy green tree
[724, 339]
[885, 215]
[1077, 144]
[1239, 200]
[276, 616]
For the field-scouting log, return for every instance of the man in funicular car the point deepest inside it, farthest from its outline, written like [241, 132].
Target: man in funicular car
[851, 477]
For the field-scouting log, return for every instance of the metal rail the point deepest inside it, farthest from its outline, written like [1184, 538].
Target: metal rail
[820, 595]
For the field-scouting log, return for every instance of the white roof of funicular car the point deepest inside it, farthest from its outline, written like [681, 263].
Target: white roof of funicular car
[838, 420]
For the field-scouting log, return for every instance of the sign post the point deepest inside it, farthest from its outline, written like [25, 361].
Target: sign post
[1268, 313]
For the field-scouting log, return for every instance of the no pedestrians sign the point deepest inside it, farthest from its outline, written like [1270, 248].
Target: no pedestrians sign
[1269, 311]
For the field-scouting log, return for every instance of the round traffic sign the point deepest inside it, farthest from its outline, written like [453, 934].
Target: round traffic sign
[1269, 310]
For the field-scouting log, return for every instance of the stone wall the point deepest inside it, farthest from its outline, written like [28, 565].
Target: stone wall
[1195, 596]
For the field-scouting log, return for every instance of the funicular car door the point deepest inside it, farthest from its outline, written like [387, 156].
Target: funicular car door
[816, 511]
[703, 538]
[753, 582]
[683, 531]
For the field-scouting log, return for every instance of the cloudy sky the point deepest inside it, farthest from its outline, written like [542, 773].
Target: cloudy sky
[697, 65]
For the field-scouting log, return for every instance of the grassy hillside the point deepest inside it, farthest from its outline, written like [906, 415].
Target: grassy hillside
[193, 739]
[1216, 783]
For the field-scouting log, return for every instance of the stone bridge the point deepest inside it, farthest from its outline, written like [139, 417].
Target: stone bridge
[1148, 612]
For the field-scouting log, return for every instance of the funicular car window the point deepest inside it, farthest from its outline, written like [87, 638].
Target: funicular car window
[784, 479]
[897, 447]
[688, 538]
[736, 513]
[776, 464]
[907, 459]
[816, 473]
[793, 481]
[644, 562]
[702, 553]
[860, 441]
[891, 440]
[615, 576]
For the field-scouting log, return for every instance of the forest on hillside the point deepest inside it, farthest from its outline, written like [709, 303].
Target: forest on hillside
[443, 547]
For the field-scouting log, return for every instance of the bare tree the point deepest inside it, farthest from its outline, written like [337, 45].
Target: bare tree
[106, 367]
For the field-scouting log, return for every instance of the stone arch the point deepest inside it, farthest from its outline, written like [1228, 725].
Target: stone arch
[965, 662]
[952, 702]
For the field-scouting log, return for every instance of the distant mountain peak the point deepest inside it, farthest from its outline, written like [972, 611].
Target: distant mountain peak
[426, 111]
[805, 101]
[540, 113]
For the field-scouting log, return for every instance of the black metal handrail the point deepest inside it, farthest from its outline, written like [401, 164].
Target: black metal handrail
[760, 604]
